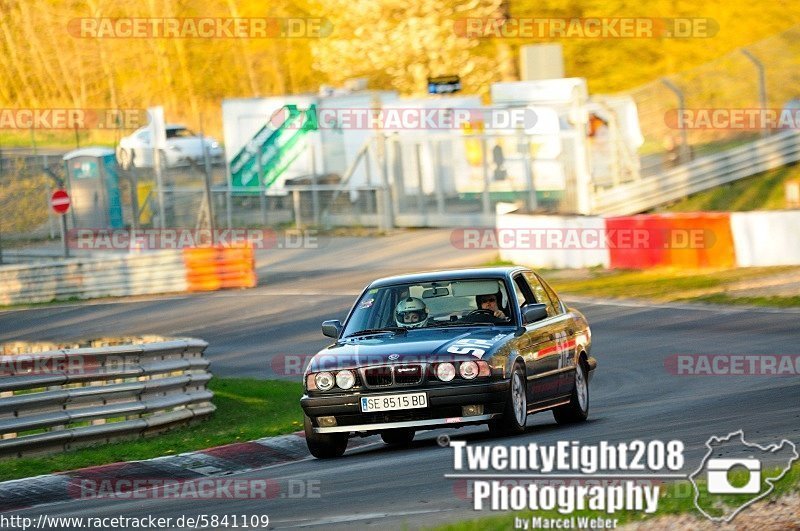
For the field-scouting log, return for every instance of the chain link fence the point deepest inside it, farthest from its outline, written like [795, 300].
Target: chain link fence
[761, 76]
[26, 183]
[427, 178]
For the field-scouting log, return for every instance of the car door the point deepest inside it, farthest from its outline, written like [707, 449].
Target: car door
[572, 333]
[562, 332]
[538, 349]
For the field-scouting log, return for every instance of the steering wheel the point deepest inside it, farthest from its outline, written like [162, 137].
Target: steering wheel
[481, 311]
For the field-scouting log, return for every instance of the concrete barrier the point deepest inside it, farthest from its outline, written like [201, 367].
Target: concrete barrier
[682, 240]
[766, 238]
[86, 278]
[550, 256]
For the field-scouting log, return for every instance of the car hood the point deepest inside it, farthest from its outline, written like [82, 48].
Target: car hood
[439, 344]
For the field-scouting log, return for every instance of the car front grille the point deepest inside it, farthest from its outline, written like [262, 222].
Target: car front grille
[388, 375]
[407, 374]
[378, 376]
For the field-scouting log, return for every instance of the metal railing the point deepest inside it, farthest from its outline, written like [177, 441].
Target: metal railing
[114, 275]
[700, 174]
[60, 399]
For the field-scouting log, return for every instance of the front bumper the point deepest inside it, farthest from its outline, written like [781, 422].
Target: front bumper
[444, 408]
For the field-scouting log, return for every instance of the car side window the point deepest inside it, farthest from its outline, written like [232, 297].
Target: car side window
[559, 305]
[524, 295]
[541, 295]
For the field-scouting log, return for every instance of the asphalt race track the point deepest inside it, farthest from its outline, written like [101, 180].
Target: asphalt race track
[633, 396]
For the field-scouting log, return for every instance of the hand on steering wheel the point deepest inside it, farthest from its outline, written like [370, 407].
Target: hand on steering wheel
[497, 314]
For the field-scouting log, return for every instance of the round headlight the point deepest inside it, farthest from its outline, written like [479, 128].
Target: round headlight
[445, 372]
[324, 381]
[345, 379]
[468, 370]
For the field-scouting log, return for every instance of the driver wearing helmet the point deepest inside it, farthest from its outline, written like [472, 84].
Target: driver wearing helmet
[411, 313]
[491, 303]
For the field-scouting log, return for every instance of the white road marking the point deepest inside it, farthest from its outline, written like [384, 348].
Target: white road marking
[720, 308]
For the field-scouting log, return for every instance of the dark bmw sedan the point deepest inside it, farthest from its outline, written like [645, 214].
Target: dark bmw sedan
[447, 349]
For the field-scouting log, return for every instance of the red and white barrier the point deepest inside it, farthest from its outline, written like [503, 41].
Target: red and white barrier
[766, 238]
[682, 240]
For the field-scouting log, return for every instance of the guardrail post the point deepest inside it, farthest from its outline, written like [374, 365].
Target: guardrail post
[314, 191]
[486, 203]
[262, 191]
[436, 146]
[420, 196]
[298, 223]
[529, 176]
[684, 154]
[762, 85]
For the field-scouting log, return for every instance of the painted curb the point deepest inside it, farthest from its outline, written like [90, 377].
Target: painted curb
[219, 461]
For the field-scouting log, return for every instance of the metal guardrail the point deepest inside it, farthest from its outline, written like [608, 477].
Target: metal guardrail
[60, 399]
[85, 278]
[703, 173]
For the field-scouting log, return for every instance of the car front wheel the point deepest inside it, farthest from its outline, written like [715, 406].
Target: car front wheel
[512, 421]
[324, 445]
[578, 408]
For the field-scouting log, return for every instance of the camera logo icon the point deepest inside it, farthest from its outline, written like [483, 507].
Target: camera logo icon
[719, 476]
[733, 466]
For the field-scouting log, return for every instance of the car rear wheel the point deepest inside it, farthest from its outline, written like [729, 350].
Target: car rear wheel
[324, 445]
[512, 421]
[578, 408]
[398, 436]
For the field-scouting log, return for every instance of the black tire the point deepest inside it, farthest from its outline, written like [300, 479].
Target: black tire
[512, 421]
[324, 445]
[398, 436]
[578, 408]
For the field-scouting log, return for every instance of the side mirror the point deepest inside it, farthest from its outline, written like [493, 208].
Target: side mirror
[533, 312]
[331, 328]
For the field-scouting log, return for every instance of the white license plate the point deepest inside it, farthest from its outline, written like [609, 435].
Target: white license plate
[393, 402]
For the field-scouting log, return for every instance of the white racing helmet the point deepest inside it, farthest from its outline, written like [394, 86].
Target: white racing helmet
[411, 313]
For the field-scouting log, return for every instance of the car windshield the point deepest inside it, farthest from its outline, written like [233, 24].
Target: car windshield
[431, 305]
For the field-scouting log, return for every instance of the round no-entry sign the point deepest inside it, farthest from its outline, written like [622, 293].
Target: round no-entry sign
[59, 201]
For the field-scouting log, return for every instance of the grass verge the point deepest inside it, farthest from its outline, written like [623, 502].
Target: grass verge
[764, 191]
[246, 409]
[667, 285]
[676, 499]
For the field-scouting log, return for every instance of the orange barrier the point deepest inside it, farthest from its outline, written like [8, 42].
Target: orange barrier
[219, 267]
[690, 240]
